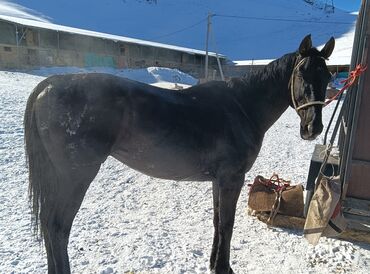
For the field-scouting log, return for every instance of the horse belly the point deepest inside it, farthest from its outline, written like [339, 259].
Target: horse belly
[163, 162]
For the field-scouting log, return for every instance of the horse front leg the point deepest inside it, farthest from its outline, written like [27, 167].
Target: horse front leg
[224, 207]
[216, 220]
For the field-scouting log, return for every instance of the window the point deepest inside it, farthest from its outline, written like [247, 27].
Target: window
[122, 50]
[48, 39]
[7, 33]
[67, 41]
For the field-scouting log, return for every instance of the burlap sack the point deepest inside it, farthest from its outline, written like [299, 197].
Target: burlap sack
[324, 217]
[262, 198]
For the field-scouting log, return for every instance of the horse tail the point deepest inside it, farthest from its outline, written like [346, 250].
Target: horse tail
[42, 174]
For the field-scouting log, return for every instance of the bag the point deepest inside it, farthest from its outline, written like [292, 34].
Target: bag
[325, 217]
[276, 195]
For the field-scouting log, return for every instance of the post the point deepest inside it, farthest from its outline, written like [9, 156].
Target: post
[17, 41]
[220, 68]
[207, 39]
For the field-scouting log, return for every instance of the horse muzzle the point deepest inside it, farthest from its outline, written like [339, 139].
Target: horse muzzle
[311, 130]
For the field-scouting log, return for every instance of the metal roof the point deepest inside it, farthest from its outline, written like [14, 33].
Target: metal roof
[51, 26]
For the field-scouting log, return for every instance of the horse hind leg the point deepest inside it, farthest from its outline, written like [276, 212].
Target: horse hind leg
[56, 224]
[57, 194]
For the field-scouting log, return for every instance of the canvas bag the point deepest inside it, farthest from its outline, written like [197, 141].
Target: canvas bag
[324, 217]
[276, 195]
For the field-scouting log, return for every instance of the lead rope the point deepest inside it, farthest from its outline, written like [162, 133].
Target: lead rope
[348, 82]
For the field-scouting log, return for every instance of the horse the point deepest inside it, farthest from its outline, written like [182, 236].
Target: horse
[209, 132]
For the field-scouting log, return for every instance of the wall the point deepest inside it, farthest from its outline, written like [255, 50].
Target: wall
[24, 47]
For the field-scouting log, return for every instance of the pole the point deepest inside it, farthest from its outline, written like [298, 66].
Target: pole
[207, 39]
[17, 41]
[220, 68]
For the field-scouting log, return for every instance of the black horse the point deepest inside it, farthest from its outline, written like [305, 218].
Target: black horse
[209, 132]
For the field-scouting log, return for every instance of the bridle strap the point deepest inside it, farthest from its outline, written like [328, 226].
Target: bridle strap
[312, 103]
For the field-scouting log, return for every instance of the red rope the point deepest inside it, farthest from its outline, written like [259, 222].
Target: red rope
[348, 82]
[276, 183]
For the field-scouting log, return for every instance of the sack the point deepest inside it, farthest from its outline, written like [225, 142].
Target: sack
[325, 217]
[276, 195]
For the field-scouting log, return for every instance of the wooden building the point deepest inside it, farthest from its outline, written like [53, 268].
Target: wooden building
[354, 136]
[352, 164]
[27, 44]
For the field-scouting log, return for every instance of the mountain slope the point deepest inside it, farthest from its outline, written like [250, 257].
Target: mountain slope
[254, 29]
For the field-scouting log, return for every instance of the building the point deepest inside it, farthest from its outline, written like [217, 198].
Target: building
[26, 44]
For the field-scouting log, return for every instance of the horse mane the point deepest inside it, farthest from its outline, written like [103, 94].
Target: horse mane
[274, 70]
[277, 71]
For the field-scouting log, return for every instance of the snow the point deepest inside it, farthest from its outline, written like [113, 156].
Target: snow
[263, 33]
[341, 55]
[18, 11]
[132, 222]
[262, 62]
[46, 25]
[150, 75]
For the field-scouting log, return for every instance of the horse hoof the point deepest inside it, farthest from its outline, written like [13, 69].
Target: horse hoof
[222, 271]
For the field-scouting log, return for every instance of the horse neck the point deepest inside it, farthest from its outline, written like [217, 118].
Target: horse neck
[266, 93]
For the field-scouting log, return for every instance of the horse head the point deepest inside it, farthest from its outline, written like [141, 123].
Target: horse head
[308, 84]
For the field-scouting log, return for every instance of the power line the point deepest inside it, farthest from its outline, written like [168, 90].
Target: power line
[181, 30]
[249, 18]
[280, 19]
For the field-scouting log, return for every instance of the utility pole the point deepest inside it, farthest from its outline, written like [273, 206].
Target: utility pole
[207, 39]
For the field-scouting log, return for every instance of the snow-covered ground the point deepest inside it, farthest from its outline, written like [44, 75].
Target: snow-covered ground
[131, 222]
[164, 77]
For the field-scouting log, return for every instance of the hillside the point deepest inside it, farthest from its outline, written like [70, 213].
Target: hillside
[254, 29]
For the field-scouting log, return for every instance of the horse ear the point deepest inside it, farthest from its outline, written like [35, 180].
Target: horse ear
[328, 48]
[305, 45]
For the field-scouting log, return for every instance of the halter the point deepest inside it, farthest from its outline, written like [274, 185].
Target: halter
[296, 107]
